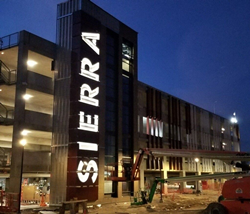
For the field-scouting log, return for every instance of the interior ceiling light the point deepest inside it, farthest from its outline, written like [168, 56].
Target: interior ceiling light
[0, 89]
[27, 96]
[31, 63]
[25, 132]
[2, 52]
[23, 142]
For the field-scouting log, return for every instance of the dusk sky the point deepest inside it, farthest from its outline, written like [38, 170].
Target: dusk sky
[196, 50]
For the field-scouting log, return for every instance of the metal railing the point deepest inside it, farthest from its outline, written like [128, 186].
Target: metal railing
[7, 75]
[9, 41]
[6, 115]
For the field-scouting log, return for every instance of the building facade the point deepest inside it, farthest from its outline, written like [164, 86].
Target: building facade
[87, 113]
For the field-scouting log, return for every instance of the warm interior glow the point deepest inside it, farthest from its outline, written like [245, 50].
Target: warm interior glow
[196, 160]
[0, 89]
[27, 96]
[31, 63]
[23, 142]
[2, 52]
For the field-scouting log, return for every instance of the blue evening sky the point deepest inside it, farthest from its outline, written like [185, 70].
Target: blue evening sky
[197, 50]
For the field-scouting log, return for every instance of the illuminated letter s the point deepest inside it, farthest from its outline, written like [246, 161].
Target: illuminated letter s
[83, 175]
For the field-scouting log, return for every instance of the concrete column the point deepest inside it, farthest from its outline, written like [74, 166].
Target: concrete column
[211, 182]
[141, 183]
[164, 174]
[198, 183]
[101, 173]
[183, 184]
[119, 184]
[19, 115]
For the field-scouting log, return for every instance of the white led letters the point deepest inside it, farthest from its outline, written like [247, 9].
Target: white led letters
[89, 73]
[88, 146]
[88, 95]
[88, 126]
[84, 170]
[90, 39]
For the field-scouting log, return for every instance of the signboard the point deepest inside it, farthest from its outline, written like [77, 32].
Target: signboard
[82, 170]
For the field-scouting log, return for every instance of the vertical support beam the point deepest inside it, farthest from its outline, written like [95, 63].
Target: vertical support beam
[164, 174]
[119, 124]
[19, 115]
[183, 184]
[142, 183]
[60, 137]
[198, 183]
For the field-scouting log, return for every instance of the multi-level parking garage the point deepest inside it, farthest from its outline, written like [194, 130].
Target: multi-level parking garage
[26, 106]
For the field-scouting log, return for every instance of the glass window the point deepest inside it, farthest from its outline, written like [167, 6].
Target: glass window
[110, 139]
[110, 92]
[110, 106]
[127, 52]
[110, 50]
[110, 40]
[110, 115]
[110, 73]
[109, 159]
[127, 57]
[110, 60]
[110, 126]
[125, 65]
[110, 82]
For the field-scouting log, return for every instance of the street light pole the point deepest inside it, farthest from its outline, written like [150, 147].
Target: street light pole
[197, 169]
[23, 143]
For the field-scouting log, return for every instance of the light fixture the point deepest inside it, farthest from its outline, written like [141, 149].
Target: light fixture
[27, 96]
[23, 142]
[0, 89]
[196, 160]
[25, 132]
[233, 118]
[2, 52]
[31, 63]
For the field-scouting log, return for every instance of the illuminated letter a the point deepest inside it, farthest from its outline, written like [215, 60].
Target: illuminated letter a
[90, 39]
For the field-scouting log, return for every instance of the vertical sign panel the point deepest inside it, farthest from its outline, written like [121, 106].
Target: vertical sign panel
[82, 171]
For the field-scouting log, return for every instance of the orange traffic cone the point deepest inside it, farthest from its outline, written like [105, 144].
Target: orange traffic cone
[42, 202]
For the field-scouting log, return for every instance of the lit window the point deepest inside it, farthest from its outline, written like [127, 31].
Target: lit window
[127, 51]
[127, 57]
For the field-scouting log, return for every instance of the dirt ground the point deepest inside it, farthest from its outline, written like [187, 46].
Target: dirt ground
[172, 203]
